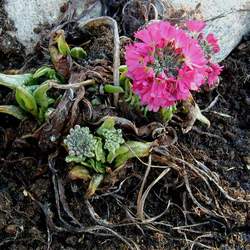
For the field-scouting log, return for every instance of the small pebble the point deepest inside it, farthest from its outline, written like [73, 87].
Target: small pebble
[11, 229]
[247, 100]
[72, 241]
[2, 223]
[229, 135]
[247, 159]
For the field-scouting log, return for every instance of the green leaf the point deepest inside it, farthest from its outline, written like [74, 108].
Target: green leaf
[135, 149]
[78, 53]
[123, 68]
[51, 100]
[13, 110]
[63, 47]
[167, 113]
[13, 81]
[26, 101]
[111, 89]
[32, 88]
[43, 101]
[94, 184]
[121, 150]
[48, 112]
[113, 139]
[109, 123]
[96, 101]
[45, 71]
[128, 90]
[99, 153]
[97, 166]
[75, 159]
[40, 95]
[80, 142]
[79, 172]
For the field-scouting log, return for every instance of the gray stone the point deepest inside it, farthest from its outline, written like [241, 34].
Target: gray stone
[229, 20]
[29, 14]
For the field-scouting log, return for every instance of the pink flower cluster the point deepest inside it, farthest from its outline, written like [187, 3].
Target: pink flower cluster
[168, 62]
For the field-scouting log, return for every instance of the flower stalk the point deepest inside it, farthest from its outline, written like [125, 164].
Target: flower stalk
[167, 63]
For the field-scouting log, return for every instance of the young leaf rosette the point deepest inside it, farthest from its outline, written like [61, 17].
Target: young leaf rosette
[94, 155]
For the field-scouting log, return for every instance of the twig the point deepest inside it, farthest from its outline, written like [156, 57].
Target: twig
[209, 235]
[222, 114]
[211, 104]
[193, 225]
[196, 129]
[195, 201]
[153, 219]
[156, 14]
[96, 217]
[145, 194]
[55, 84]
[140, 213]
[219, 187]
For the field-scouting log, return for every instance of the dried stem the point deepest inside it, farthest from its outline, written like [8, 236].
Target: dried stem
[56, 85]
[105, 20]
[140, 212]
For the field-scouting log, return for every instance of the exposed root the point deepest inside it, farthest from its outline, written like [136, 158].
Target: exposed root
[212, 104]
[190, 175]
[195, 242]
[141, 199]
[56, 85]
[140, 206]
[199, 131]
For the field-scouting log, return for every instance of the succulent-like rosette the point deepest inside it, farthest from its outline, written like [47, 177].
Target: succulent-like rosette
[80, 142]
[113, 139]
[166, 64]
[94, 156]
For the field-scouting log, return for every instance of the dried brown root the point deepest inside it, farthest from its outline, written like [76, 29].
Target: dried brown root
[153, 128]
[56, 85]
[141, 199]
[186, 174]
[198, 169]
[72, 225]
[202, 189]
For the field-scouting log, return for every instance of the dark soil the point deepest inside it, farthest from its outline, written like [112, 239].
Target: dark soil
[27, 184]
[11, 51]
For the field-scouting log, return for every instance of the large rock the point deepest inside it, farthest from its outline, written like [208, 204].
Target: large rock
[228, 19]
[27, 15]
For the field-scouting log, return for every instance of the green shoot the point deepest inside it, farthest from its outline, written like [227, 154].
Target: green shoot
[106, 149]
